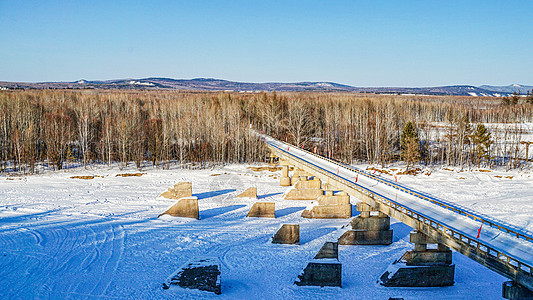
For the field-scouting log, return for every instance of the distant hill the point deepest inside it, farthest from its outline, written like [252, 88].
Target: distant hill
[209, 84]
[508, 88]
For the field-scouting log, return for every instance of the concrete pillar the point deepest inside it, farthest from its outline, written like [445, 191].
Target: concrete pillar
[421, 267]
[324, 270]
[305, 189]
[330, 206]
[285, 180]
[367, 229]
[513, 291]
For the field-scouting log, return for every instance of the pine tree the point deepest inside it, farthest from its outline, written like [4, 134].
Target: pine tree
[529, 97]
[481, 142]
[410, 144]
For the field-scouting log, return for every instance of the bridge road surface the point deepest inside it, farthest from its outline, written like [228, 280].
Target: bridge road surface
[512, 246]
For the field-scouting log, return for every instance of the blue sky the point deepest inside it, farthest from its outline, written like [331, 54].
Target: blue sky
[361, 43]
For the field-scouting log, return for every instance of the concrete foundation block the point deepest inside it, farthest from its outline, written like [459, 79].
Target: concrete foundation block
[366, 237]
[178, 191]
[514, 291]
[201, 274]
[329, 212]
[304, 194]
[287, 234]
[401, 275]
[262, 210]
[185, 208]
[416, 237]
[248, 193]
[304, 183]
[321, 272]
[300, 173]
[328, 250]
[428, 257]
[285, 181]
[371, 223]
[361, 206]
[333, 199]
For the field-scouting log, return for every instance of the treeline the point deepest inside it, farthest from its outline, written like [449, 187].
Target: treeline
[163, 128]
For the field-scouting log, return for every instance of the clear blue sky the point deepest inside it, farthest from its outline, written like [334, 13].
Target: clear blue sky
[361, 43]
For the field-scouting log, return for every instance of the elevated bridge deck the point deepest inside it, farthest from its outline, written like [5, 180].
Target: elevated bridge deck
[504, 249]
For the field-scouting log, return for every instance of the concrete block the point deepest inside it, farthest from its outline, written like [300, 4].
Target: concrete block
[361, 206]
[333, 199]
[428, 257]
[300, 173]
[284, 170]
[401, 275]
[366, 237]
[304, 183]
[287, 234]
[185, 207]
[285, 181]
[328, 250]
[371, 223]
[416, 237]
[321, 272]
[262, 210]
[329, 212]
[178, 191]
[512, 290]
[248, 193]
[201, 274]
[305, 194]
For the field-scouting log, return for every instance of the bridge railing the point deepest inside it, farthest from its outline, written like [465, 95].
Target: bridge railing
[481, 249]
[455, 208]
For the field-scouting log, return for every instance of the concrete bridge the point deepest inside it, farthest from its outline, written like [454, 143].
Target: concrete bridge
[500, 247]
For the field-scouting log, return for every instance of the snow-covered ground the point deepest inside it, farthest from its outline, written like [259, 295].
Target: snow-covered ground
[101, 238]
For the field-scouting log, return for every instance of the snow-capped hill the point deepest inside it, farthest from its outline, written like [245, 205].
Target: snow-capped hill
[508, 89]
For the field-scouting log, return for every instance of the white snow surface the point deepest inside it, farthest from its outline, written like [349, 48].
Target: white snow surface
[101, 238]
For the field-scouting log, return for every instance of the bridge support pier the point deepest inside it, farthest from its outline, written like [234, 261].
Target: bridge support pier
[285, 180]
[368, 229]
[330, 206]
[421, 267]
[305, 189]
[514, 291]
[272, 158]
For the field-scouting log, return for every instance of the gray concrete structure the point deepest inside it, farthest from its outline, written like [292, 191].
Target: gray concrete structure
[513, 291]
[262, 210]
[248, 193]
[321, 272]
[422, 267]
[178, 191]
[328, 250]
[368, 229]
[324, 270]
[185, 208]
[287, 234]
[285, 180]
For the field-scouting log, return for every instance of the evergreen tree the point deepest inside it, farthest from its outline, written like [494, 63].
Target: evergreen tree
[481, 142]
[529, 97]
[410, 144]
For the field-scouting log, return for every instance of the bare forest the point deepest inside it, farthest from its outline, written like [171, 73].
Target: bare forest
[57, 128]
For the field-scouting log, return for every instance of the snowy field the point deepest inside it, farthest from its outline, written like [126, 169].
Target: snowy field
[101, 238]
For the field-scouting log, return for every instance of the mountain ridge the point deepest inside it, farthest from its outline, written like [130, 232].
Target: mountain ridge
[212, 84]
